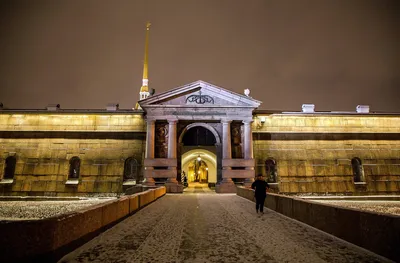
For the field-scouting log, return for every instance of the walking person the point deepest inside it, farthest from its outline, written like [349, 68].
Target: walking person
[260, 186]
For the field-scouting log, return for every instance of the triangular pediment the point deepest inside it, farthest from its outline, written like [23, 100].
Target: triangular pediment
[199, 94]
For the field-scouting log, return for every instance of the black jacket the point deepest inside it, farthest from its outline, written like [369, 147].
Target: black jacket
[260, 186]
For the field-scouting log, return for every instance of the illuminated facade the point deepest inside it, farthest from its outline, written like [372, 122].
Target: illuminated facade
[204, 132]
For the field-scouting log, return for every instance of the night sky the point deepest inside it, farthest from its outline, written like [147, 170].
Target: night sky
[84, 54]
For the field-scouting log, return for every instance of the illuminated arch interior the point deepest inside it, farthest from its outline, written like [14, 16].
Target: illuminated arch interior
[205, 167]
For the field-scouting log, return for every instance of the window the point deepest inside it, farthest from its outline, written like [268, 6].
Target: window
[270, 168]
[131, 169]
[9, 169]
[358, 173]
[74, 167]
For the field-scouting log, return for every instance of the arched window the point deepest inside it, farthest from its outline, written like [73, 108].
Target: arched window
[74, 167]
[270, 168]
[358, 173]
[9, 169]
[131, 170]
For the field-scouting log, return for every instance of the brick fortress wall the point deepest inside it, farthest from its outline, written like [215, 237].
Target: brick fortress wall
[44, 143]
[313, 152]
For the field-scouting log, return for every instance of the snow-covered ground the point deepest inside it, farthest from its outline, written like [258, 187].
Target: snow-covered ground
[381, 206]
[28, 210]
[201, 227]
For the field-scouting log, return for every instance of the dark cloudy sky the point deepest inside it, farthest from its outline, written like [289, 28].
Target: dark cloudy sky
[86, 53]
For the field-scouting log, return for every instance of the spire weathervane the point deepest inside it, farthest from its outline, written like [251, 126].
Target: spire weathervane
[144, 90]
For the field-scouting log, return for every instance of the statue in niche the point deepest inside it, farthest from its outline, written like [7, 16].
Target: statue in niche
[236, 139]
[161, 141]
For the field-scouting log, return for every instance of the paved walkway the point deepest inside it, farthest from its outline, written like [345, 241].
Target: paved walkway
[201, 226]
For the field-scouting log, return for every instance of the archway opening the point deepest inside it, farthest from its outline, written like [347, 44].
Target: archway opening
[198, 164]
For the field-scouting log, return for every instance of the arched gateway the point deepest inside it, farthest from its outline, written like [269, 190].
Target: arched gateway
[200, 147]
[204, 108]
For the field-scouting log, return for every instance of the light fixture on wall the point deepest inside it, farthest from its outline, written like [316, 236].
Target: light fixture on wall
[198, 158]
[259, 121]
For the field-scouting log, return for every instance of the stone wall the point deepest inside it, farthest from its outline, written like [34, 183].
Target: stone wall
[48, 239]
[43, 145]
[13, 121]
[376, 232]
[313, 153]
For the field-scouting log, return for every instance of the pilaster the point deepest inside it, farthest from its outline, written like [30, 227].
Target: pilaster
[172, 148]
[226, 185]
[150, 135]
[248, 150]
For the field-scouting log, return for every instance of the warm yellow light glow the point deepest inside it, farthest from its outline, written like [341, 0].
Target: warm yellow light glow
[207, 168]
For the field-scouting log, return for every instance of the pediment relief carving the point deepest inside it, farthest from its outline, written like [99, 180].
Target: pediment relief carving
[199, 99]
[199, 94]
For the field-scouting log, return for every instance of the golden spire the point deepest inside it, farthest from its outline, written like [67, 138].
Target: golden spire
[145, 80]
[144, 90]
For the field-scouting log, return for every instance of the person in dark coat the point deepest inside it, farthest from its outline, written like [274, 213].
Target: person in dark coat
[260, 186]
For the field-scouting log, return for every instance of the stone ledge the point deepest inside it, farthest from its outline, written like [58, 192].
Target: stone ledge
[129, 182]
[6, 181]
[360, 183]
[72, 182]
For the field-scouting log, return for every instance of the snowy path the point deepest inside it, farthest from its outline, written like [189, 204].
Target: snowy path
[201, 226]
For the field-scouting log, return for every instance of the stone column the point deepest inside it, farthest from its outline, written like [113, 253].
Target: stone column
[219, 162]
[226, 140]
[248, 140]
[226, 185]
[248, 149]
[172, 138]
[150, 136]
[172, 148]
